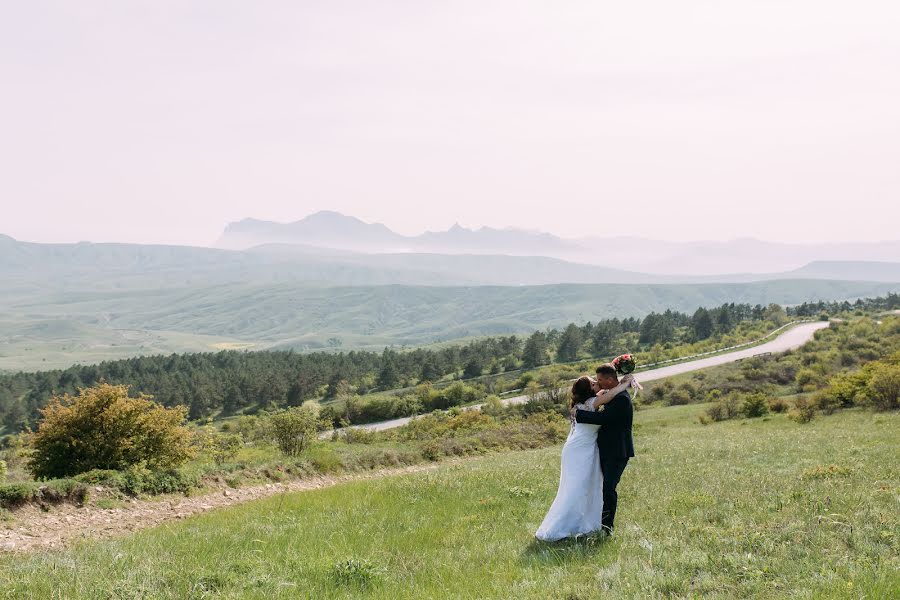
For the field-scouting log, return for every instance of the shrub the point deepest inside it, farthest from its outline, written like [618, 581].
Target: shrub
[252, 429]
[456, 394]
[354, 435]
[883, 390]
[803, 411]
[294, 429]
[493, 406]
[660, 391]
[825, 402]
[544, 400]
[103, 428]
[679, 397]
[728, 407]
[3, 471]
[778, 405]
[806, 378]
[221, 447]
[842, 390]
[754, 406]
[138, 479]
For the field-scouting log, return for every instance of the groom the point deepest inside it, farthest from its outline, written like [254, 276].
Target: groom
[614, 439]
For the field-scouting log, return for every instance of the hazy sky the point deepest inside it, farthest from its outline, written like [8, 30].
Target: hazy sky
[161, 121]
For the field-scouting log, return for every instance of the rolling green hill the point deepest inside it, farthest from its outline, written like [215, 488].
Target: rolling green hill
[57, 326]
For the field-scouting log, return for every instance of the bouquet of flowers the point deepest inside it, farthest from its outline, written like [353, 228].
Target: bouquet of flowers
[624, 364]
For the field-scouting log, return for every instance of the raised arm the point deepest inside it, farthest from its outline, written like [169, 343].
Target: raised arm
[606, 396]
[617, 411]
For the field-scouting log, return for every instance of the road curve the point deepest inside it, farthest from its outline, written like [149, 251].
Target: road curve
[789, 340]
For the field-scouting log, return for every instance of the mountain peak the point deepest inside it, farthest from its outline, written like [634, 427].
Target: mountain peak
[328, 215]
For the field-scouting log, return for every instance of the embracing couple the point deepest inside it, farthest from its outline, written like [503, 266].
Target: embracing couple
[593, 457]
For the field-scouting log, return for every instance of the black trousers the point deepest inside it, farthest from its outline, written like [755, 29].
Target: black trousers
[612, 472]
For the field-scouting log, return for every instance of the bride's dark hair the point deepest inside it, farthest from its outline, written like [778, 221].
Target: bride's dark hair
[581, 391]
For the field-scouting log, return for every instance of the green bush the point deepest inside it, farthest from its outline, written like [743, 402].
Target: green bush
[843, 390]
[826, 403]
[728, 407]
[493, 406]
[803, 411]
[754, 406]
[221, 447]
[294, 429]
[678, 397]
[806, 378]
[883, 389]
[138, 479]
[101, 477]
[354, 435]
[103, 428]
[456, 394]
[778, 405]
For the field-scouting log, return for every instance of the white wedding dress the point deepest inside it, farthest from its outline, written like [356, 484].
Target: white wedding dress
[578, 507]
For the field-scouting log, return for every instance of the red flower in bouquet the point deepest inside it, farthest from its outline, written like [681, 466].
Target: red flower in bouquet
[624, 364]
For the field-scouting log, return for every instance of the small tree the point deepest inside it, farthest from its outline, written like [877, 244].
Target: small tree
[755, 405]
[294, 429]
[103, 428]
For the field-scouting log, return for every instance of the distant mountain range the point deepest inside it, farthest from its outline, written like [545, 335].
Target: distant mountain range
[86, 302]
[133, 266]
[340, 232]
[333, 230]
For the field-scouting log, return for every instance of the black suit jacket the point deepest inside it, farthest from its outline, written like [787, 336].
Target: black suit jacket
[614, 438]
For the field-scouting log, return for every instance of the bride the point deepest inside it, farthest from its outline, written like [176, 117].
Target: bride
[578, 506]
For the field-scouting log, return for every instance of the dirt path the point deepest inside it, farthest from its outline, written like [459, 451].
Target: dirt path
[33, 529]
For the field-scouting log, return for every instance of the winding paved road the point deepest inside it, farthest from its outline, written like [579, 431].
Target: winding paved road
[789, 340]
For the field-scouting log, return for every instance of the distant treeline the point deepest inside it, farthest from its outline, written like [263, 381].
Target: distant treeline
[229, 382]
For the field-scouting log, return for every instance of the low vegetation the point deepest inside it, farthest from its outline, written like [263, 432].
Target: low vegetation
[852, 363]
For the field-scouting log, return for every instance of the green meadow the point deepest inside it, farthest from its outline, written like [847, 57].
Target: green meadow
[743, 508]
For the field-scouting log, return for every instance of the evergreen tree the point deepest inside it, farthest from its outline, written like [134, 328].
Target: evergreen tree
[473, 368]
[605, 335]
[701, 325]
[569, 344]
[535, 352]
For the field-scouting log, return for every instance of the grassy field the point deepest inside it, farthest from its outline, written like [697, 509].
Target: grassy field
[748, 508]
